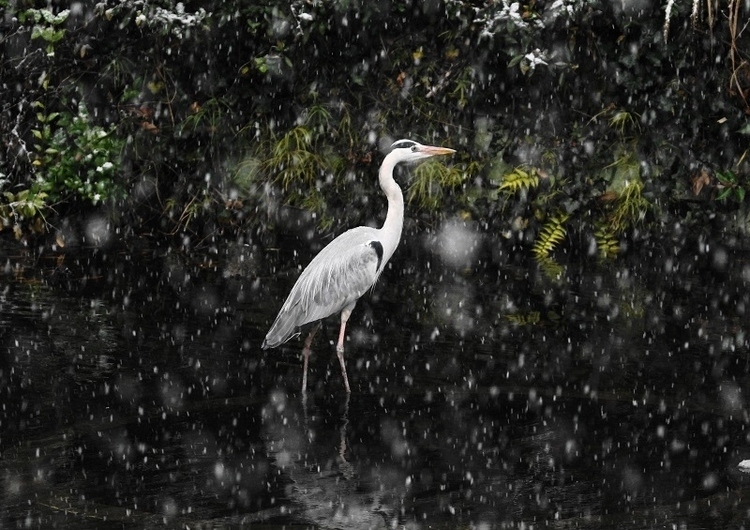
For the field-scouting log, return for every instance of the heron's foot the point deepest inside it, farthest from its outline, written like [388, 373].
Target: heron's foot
[340, 349]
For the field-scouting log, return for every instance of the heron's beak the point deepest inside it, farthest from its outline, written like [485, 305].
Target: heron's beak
[431, 150]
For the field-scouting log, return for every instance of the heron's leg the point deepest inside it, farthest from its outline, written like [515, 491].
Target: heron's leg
[340, 345]
[306, 354]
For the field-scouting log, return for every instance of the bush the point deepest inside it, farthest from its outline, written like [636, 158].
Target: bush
[227, 110]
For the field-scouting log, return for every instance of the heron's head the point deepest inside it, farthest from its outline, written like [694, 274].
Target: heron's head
[411, 151]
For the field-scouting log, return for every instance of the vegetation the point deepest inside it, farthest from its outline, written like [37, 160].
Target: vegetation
[210, 121]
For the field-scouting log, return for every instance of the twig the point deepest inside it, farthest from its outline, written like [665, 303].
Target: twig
[14, 132]
[734, 16]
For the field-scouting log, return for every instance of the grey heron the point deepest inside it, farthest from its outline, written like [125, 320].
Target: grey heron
[348, 266]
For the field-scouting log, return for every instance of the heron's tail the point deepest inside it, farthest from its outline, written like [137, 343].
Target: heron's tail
[282, 330]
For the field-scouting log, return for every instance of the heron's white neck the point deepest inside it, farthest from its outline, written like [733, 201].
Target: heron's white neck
[394, 219]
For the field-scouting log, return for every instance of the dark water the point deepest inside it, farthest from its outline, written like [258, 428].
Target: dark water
[487, 391]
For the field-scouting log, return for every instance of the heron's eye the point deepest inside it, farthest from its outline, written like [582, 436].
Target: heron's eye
[413, 148]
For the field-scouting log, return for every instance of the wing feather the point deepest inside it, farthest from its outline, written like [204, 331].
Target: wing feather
[337, 277]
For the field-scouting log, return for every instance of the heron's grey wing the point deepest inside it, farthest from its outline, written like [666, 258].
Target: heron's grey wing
[337, 277]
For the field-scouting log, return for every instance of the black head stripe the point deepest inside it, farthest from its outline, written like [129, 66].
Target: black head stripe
[403, 144]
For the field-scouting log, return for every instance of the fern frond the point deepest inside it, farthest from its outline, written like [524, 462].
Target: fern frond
[519, 179]
[524, 319]
[551, 234]
[551, 268]
[606, 242]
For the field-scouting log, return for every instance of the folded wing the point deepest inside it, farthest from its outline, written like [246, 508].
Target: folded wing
[336, 278]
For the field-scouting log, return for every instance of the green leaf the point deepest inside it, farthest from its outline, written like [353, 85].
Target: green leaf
[48, 34]
[515, 60]
[727, 178]
[740, 193]
[724, 194]
[48, 16]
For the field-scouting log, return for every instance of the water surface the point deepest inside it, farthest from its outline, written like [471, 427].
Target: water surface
[487, 391]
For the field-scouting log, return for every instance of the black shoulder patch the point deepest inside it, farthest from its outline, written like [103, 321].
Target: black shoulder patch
[378, 247]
